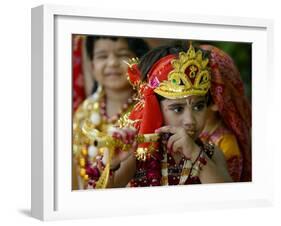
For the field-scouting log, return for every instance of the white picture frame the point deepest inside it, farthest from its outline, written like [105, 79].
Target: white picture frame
[52, 197]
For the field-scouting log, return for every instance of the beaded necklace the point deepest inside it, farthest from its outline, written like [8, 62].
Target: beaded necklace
[189, 170]
[185, 171]
[113, 118]
[185, 166]
[90, 155]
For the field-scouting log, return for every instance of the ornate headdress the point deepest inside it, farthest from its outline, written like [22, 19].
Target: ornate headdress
[189, 76]
[174, 76]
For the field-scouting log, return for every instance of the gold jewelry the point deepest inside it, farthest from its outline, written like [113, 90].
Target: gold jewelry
[132, 61]
[100, 139]
[90, 112]
[186, 168]
[189, 77]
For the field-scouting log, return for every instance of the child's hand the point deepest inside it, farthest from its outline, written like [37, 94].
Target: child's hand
[127, 136]
[180, 141]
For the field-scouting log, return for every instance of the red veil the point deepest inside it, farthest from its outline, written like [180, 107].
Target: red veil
[227, 92]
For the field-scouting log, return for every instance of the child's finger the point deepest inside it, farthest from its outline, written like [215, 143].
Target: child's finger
[171, 141]
[167, 129]
[120, 135]
[131, 134]
[178, 146]
[116, 135]
[128, 135]
[134, 145]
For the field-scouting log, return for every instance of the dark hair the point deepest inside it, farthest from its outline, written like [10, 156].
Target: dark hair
[152, 56]
[137, 45]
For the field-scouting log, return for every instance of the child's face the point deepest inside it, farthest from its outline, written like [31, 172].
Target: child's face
[108, 66]
[189, 113]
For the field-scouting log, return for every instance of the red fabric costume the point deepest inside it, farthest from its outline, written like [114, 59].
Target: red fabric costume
[227, 93]
[77, 70]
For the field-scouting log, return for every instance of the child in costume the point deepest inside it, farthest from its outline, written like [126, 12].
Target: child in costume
[112, 98]
[175, 100]
[228, 123]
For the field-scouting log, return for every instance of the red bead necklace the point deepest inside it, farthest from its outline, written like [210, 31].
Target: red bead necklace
[115, 117]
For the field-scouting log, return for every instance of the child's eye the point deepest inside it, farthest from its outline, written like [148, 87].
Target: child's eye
[124, 55]
[199, 107]
[177, 109]
[100, 57]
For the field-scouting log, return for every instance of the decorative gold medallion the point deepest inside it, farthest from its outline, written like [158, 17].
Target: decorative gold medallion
[189, 77]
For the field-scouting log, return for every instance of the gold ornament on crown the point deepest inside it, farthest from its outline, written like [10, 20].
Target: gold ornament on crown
[132, 61]
[190, 76]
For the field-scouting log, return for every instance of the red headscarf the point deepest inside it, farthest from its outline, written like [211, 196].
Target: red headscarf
[147, 112]
[228, 94]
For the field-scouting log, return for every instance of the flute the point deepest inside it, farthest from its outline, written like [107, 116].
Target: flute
[101, 139]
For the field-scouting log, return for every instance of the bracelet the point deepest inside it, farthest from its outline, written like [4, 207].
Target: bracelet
[209, 149]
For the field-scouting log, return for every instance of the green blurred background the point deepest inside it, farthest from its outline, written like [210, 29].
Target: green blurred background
[241, 53]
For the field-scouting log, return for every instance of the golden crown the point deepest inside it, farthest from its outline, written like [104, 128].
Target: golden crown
[190, 76]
